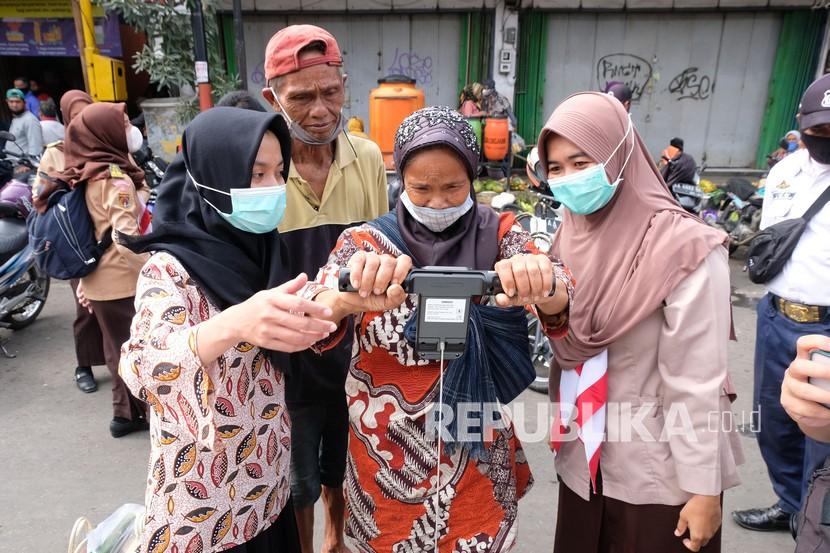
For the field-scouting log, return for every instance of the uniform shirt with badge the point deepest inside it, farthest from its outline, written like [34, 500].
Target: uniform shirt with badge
[113, 203]
[792, 186]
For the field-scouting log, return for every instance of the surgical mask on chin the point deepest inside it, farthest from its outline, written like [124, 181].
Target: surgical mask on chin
[436, 220]
[135, 140]
[303, 135]
[818, 146]
[255, 210]
[589, 190]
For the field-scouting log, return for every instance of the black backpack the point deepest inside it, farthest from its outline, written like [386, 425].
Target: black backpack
[63, 237]
[770, 249]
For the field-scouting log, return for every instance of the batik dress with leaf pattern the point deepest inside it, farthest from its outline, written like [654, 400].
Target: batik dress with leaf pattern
[219, 432]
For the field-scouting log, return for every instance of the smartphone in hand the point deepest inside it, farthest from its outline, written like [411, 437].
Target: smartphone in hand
[820, 356]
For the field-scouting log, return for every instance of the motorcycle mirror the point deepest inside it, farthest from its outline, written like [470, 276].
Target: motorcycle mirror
[7, 136]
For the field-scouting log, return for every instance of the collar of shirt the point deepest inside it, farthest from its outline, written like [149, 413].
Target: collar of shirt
[344, 155]
[813, 167]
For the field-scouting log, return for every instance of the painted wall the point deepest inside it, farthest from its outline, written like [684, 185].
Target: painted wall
[700, 76]
[506, 19]
[423, 46]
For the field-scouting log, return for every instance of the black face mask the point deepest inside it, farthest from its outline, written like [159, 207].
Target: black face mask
[818, 146]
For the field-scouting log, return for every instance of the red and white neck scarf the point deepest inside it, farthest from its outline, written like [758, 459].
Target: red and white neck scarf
[582, 398]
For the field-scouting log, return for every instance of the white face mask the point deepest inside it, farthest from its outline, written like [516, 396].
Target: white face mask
[298, 132]
[436, 220]
[135, 140]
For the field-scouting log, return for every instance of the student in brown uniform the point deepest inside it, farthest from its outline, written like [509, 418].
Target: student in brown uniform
[96, 156]
[644, 361]
[89, 344]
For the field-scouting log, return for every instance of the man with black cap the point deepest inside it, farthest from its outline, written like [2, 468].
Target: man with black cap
[676, 165]
[621, 92]
[797, 303]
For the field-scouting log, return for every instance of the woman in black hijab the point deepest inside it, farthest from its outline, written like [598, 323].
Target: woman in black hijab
[216, 312]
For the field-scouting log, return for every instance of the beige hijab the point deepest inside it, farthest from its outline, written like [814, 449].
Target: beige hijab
[628, 256]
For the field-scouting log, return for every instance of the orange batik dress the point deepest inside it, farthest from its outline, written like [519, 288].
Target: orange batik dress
[392, 463]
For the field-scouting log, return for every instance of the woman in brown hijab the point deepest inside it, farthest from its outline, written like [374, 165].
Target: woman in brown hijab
[642, 373]
[97, 158]
[89, 348]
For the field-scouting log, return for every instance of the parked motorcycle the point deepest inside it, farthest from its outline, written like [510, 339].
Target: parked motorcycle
[152, 165]
[735, 207]
[15, 163]
[23, 287]
[542, 225]
[690, 195]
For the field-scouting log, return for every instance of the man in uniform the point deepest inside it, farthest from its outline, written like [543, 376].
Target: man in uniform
[335, 181]
[796, 304]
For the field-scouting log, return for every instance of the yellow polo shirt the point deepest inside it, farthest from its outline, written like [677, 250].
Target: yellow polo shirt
[355, 189]
[355, 192]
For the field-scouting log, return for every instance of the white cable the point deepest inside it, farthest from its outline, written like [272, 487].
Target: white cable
[440, 429]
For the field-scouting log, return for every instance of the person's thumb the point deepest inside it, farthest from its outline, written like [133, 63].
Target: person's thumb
[806, 344]
[395, 295]
[682, 526]
[294, 285]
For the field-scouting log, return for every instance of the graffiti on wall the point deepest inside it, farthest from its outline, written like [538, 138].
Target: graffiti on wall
[257, 76]
[688, 84]
[412, 65]
[632, 70]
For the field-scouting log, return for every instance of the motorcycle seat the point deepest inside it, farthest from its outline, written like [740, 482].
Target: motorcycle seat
[13, 237]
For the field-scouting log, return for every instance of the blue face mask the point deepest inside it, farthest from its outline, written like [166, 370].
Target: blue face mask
[589, 190]
[254, 210]
[792, 146]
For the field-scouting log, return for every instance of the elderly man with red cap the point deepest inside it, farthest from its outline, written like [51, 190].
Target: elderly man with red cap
[335, 181]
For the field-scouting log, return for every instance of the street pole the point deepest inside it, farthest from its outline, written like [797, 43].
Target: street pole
[200, 51]
[239, 32]
[79, 34]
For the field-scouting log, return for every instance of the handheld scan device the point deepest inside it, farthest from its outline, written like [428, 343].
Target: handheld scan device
[444, 297]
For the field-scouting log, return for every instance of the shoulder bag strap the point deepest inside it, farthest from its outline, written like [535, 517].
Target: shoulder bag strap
[817, 205]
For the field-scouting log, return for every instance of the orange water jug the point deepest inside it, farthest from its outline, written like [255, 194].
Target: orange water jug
[395, 98]
[496, 138]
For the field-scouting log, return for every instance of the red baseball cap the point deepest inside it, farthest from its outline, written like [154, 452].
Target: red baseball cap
[282, 53]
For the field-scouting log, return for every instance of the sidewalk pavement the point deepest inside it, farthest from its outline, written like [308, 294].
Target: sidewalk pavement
[59, 461]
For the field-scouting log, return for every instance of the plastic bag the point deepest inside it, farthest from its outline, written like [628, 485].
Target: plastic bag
[118, 533]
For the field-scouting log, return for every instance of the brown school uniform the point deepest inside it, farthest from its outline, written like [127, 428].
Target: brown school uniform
[113, 202]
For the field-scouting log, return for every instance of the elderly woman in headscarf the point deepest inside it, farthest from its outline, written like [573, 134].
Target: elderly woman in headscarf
[216, 316]
[647, 342]
[405, 490]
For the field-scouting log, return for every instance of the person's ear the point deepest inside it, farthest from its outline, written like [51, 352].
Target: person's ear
[345, 78]
[268, 94]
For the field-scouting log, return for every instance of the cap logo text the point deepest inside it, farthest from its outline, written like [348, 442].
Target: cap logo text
[825, 102]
